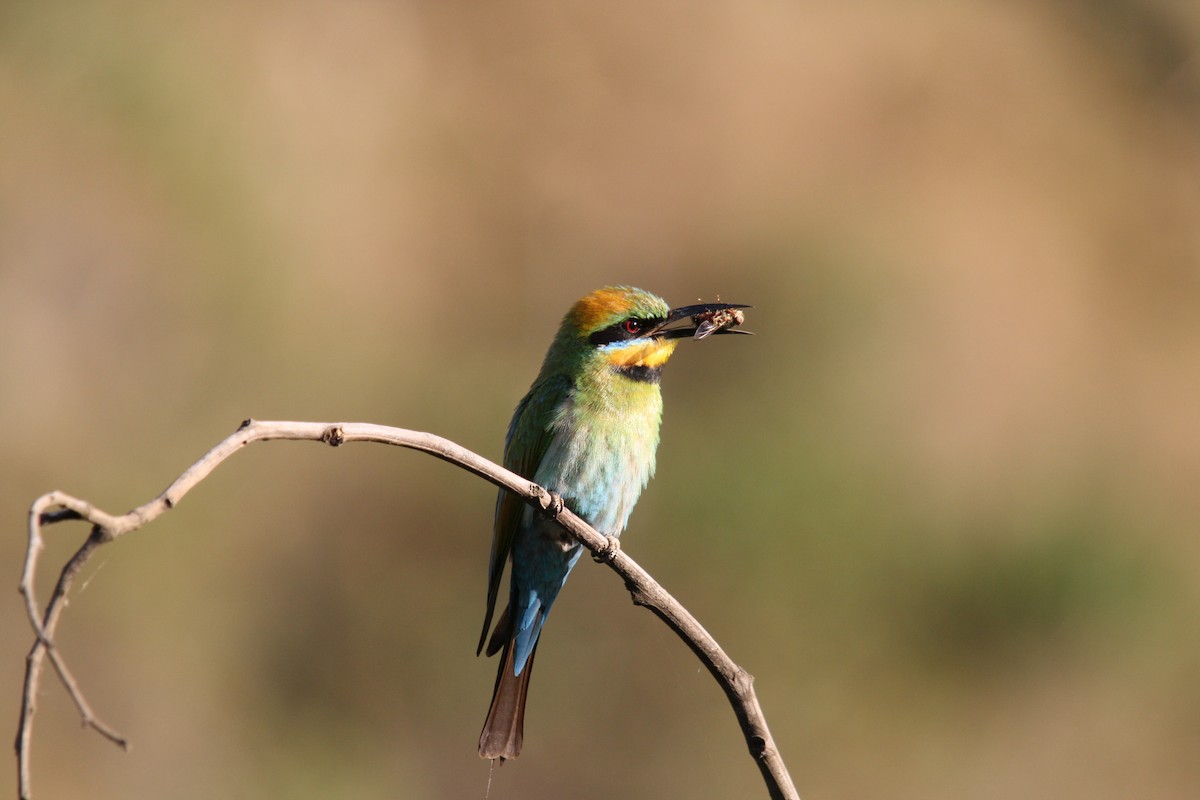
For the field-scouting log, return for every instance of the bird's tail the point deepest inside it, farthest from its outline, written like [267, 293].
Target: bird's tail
[503, 731]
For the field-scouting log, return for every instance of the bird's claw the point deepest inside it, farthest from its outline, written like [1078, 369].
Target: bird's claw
[612, 546]
[550, 502]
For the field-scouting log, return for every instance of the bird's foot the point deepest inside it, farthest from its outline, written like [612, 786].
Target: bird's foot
[550, 502]
[612, 546]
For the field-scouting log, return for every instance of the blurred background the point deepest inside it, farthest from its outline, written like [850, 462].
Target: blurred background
[944, 506]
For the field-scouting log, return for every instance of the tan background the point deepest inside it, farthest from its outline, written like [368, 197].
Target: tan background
[944, 506]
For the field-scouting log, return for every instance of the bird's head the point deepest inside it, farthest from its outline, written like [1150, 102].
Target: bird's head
[633, 332]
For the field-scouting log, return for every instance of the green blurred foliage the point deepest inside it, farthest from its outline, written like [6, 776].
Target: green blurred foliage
[943, 506]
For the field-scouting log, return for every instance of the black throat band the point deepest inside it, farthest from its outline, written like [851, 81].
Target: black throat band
[640, 373]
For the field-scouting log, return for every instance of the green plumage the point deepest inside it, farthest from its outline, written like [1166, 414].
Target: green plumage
[588, 431]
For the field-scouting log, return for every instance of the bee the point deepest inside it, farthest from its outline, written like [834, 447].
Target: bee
[709, 322]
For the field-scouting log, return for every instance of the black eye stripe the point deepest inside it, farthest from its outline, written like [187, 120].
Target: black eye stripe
[620, 332]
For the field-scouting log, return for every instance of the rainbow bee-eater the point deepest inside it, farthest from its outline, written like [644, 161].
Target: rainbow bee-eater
[587, 431]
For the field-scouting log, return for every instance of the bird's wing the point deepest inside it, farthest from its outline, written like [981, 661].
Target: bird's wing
[529, 436]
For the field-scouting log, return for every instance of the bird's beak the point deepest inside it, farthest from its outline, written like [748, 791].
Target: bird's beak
[703, 320]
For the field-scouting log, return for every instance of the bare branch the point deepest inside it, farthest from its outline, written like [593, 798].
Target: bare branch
[58, 507]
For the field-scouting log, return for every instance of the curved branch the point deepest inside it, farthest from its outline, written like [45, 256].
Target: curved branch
[59, 507]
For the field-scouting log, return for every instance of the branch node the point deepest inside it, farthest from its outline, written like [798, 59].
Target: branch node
[743, 683]
[758, 747]
[246, 423]
[101, 534]
[639, 595]
[334, 436]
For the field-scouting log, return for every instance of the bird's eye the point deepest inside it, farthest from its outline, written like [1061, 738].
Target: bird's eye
[623, 331]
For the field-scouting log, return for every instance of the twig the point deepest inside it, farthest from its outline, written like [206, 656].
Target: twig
[59, 507]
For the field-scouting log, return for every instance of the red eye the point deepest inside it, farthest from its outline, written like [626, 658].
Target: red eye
[632, 326]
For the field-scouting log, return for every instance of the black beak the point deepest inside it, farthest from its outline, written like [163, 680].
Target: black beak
[705, 319]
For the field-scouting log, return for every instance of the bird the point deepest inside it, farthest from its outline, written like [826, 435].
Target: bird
[587, 431]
